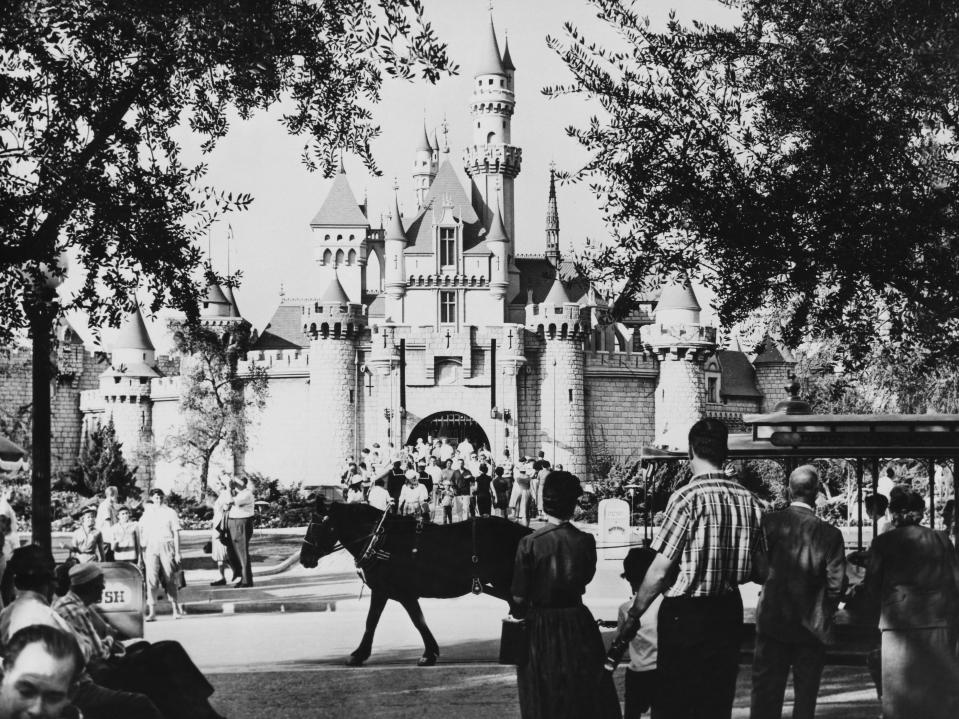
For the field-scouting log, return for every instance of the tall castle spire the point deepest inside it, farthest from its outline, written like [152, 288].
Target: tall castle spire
[425, 164]
[491, 161]
[552, 220]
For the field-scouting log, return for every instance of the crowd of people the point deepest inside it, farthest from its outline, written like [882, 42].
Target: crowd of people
[446, 482]
[683, 627]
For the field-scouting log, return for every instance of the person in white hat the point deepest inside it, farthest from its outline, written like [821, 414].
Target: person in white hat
[414, 499]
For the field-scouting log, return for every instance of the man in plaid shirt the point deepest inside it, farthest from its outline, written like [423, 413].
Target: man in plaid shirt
[711, 541]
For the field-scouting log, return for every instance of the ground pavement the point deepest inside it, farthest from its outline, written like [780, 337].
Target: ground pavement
[271, 654]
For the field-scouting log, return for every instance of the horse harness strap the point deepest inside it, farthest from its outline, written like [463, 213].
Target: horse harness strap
[372, 551]
[477, 584]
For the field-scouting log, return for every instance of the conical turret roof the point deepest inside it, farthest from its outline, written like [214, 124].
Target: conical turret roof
[340, 207]
[334, 292]
[435, 142]
[231, 298]
[395, 230]
[215, 295]
[678, 295]
[497, 232]
[424, 143]
[557, 294]
[507, 60]
[132, 334]
[490, 61]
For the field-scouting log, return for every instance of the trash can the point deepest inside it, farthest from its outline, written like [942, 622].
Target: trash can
[124, 597]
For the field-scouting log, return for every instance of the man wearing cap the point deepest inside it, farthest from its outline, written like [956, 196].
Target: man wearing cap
[32, 570]
[87, 542]
[159, 529]
[163, 671]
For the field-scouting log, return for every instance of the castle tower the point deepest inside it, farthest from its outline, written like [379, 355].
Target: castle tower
[334, 329]
[552, 221]
[425, 165]
[395, 271]
[339, 231]
[682, 344]
[491, 162]
[774, 367]
[498, 242]
[125, 388]
[562, 324]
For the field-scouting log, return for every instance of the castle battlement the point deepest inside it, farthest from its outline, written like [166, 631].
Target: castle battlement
[679, 339]
[166, 388]
[91, 400]
[495, 158]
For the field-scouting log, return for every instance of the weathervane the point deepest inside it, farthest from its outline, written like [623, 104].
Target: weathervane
[446, 129]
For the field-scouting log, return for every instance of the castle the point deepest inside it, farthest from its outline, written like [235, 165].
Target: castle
[431, 324]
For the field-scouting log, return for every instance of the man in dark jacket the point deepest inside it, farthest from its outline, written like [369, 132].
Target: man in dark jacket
[807, 575]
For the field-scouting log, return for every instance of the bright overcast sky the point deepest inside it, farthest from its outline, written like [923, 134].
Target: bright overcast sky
[271, 239]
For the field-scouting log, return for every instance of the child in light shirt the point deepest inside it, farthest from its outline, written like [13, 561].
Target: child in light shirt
[641, 671]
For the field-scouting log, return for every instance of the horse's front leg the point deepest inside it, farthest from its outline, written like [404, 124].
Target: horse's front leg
[431, 650]
[362, 653]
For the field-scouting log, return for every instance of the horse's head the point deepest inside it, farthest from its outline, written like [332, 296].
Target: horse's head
[320, 537]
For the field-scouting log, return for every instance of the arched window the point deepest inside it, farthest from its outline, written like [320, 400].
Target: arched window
[352, 238]
[326, 238]
[490, 137]
[339, 238]
[339, 257]
[351, 259]
[327, 257]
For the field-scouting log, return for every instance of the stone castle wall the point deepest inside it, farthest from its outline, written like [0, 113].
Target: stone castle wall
[772, 380]
[680, 399]
[78, 370]
[619, 416]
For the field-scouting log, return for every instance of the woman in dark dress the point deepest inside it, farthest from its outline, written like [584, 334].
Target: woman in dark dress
[563, 675]
[484, 492]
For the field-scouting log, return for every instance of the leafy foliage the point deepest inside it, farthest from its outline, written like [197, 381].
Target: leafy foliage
[217, 404]
[101, 465]
[97, 95]
[804, 157]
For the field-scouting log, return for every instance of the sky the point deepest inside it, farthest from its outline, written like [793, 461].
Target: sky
[270, 241]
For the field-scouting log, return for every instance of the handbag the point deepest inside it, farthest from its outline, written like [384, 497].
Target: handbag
[514, 642]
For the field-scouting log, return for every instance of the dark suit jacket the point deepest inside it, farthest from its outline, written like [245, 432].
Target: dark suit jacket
[807, 576]
[914, 573]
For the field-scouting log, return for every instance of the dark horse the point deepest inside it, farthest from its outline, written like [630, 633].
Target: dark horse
[437, 561]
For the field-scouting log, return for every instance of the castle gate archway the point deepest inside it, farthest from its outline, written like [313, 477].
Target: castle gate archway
[454, 425]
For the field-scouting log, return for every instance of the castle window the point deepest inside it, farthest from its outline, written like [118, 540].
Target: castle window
[712, 390]
[448, 307]
[491, 81]
[490, 137]
[339, 238]
[447, 247]
[502, 82]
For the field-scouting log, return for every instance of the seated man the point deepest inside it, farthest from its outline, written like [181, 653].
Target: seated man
[33, 576]
[163, 671]
[41, 668]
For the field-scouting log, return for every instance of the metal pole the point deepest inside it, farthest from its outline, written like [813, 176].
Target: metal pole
[41, 327]
[932, 493]
[859, 473]
[955, 497]
[875, 491]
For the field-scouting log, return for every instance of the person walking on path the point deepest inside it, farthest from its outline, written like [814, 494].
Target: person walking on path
[220, 545]
[160, 538]
[107, 511]
[710, 542]
[913, 575]
[807, 576]
[562, 676]
[240, 527]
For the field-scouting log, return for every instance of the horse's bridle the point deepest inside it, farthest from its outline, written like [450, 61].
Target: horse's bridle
[337, 546]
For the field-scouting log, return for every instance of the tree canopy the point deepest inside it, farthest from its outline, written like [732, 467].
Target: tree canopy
[94, 92]
[217, 403]
[804, 158]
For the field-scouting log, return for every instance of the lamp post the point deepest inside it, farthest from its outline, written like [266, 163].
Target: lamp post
[41, 308]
